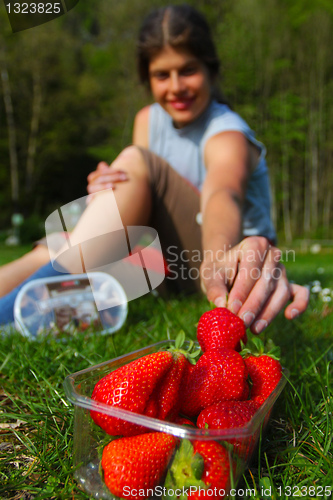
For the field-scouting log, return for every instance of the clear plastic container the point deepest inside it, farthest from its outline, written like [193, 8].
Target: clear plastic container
[64, 303]
[89, 439]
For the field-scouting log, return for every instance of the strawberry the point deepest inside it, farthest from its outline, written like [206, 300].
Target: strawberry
[246, 392]
[167, 393]
[200, 468]
[129, 388]
[265, 373]
[183, 421]
[216, 468]
[226, 415]
[231, 415]
[220, 327]
[264, 368]
[219, 375]
[133, 466]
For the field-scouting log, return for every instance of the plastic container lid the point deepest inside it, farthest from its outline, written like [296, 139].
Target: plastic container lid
[70, 302]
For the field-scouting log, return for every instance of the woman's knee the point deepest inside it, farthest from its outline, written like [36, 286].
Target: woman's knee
[132, 161]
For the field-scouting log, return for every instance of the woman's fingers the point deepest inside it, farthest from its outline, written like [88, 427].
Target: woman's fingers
[215, 280]
[249, 305]
[257, 283]
[299, 296]
[239, 270]
[273, 305]
[257, 273]
[216, 290]
[101, 167]
[106, 176]
[264, 303]
[106, 180]
[300, 299]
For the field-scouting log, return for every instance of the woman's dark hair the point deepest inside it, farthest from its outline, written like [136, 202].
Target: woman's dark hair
[181, 27]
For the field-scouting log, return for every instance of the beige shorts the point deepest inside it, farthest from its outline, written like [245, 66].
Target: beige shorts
[176, 204]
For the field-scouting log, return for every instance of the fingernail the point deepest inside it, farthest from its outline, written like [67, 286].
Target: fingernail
[235, 306]
[123, 177]
[220, 302]
[294, 313]
[260, 325]
[248, 318]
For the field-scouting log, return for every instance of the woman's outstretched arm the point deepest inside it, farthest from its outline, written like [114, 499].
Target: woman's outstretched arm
[246, 275]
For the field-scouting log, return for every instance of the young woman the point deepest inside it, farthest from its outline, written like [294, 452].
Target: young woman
[196, 173]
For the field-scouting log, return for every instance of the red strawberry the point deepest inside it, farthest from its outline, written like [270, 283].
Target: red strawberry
[220, 327]
[166, 396]
[167, 393]
[197, 467]
[226, 415]
[129, 388]
[183, 421]
[265, 373]
[216, 468]
[231, 415]
[219, 375]
[246, 392]
[134, 465]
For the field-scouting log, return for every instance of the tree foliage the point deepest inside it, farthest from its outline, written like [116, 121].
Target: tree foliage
[74, 92]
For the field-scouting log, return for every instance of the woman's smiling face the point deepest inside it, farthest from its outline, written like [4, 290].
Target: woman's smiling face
[180, 83]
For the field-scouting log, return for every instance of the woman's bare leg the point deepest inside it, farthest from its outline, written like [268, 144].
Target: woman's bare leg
[133, 201]
[100, 229]
[13, 273]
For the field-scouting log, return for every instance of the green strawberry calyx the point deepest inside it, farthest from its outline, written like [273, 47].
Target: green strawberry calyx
[256, 347]
[186, 470]
[191, 352]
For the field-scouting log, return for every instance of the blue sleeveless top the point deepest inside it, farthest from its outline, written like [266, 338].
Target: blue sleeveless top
[184, 149]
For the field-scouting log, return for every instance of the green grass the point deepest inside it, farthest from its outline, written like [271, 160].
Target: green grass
[36, 421]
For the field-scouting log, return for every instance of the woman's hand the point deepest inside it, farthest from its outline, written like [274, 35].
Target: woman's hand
[105, 177]
[255, 282]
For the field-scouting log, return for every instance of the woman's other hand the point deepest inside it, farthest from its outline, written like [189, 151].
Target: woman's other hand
[105, 177]
[250, 280]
